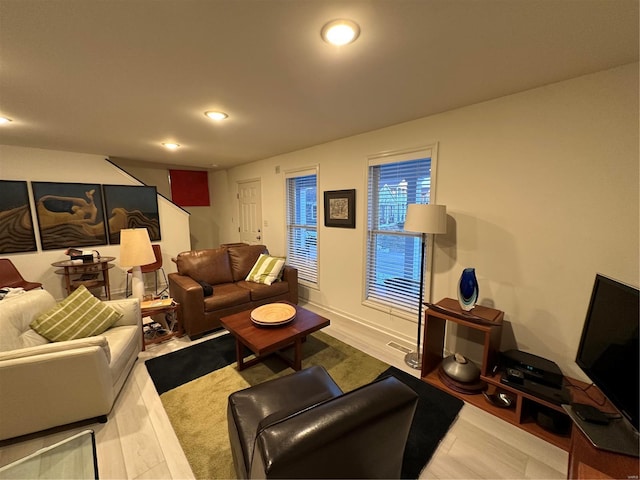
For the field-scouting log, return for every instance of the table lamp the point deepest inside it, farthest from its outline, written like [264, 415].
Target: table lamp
[136, 250]
[423, 218]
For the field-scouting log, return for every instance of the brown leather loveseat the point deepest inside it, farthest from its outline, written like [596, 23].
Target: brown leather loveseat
[225, 269]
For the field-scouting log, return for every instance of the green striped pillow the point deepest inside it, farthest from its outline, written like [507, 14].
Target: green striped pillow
[80, 315]
[266, 270]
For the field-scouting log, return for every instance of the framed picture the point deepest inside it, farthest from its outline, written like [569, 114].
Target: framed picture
[69, 214]
[131, 206]
[340, 208]
[16, 234]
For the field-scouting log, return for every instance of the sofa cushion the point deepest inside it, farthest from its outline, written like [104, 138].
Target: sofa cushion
[79, 315]
[243, 258]
[226, 295]
[260, 291]
[210, 265]
[266, 270]
[16, 313]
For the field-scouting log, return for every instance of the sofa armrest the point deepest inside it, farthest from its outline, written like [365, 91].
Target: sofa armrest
[55, 388]
[59, 347]
[130, 309]
[290, 275]
[189, 294]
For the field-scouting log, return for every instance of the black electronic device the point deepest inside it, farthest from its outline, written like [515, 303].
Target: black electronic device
[608, 351]
[534, 375]
[533, 367]
[590, 414]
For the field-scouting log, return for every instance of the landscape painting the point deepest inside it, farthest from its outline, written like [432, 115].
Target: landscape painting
[16, 234]
[69, 214]
[131, 206]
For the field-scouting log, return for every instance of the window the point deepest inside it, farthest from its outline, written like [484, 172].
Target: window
[393, 255]
[302, 224]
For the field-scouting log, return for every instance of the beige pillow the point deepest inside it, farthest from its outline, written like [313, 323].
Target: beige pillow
[80, 315]
[266, 270]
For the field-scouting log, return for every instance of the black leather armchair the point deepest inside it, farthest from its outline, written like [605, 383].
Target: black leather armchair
[303, 426]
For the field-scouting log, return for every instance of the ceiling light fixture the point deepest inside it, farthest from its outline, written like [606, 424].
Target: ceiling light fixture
[216, 115]
[340, 32]
[171, 146]
[5, 120]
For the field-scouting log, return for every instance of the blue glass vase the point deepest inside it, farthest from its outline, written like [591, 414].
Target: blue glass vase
[468, 289]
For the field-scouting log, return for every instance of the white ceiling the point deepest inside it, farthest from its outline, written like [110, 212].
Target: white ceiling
[117, 78]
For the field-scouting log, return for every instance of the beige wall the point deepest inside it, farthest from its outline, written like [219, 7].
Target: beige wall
[18, 163]
[204, 230]
[541, 189]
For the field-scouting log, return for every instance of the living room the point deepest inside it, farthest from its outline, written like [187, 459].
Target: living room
[540, 185]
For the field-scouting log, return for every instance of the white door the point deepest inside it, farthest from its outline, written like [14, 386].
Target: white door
[250, 201]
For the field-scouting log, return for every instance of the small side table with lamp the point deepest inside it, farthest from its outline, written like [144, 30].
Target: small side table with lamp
[135, 251]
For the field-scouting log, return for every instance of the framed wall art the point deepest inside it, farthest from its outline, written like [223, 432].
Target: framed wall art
[340, 208]
[69, 214]
[16, 234]
[131, 206]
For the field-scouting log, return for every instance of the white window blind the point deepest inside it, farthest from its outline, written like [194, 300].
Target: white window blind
[393, 255]
[302, 224]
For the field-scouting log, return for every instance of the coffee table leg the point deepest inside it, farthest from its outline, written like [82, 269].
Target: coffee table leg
[239, 356]
[297, 355]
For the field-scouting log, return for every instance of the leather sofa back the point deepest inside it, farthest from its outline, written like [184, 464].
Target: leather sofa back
[243, 258]
[226, 264]
[210, 265]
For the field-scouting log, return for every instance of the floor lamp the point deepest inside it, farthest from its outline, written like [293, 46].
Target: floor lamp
[425, 219]
[136, 250]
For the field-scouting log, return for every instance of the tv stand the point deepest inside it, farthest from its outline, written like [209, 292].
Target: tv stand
[585, 461]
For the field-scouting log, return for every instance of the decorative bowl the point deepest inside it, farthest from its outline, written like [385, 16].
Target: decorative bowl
[460, 368]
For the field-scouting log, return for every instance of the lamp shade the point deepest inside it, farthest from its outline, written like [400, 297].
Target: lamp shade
[425, 218]
[135, 247]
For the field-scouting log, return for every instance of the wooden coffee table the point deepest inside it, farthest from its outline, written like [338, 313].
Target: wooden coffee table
[264, 341]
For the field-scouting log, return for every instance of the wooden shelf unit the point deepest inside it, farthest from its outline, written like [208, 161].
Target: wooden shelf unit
[521, 412]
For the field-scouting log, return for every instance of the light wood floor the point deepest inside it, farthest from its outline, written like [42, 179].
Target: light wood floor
[138, 442]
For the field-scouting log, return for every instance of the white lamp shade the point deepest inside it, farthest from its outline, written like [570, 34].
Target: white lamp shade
[135, 247]
[425, 218]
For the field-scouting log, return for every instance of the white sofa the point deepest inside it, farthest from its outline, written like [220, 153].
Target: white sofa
[45, 384]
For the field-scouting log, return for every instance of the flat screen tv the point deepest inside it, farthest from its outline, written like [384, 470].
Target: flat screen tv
[608, 350]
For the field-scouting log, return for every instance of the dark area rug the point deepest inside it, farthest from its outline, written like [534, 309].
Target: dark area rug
[177, 368]
[435, 413]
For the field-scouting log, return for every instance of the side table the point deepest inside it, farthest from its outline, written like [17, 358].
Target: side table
[167, 307]
[90, 274]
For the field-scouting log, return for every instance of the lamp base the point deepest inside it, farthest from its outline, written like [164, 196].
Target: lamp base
[414, 360]
[137, 283]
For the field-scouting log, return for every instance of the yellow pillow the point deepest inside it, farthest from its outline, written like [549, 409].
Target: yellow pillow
[266, 270]
[80, 315]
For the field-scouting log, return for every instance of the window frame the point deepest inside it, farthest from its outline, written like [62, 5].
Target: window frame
[289, 175]
[386, 158]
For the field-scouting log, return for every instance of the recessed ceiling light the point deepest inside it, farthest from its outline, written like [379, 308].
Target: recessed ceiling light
[171, 146]
[216, 115]
[340, 32]
[5, 120]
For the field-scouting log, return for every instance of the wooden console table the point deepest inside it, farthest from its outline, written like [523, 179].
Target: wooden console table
[585, 460]
[90, 274]
[489, 323]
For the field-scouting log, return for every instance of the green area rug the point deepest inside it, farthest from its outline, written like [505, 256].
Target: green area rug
[198, 409]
